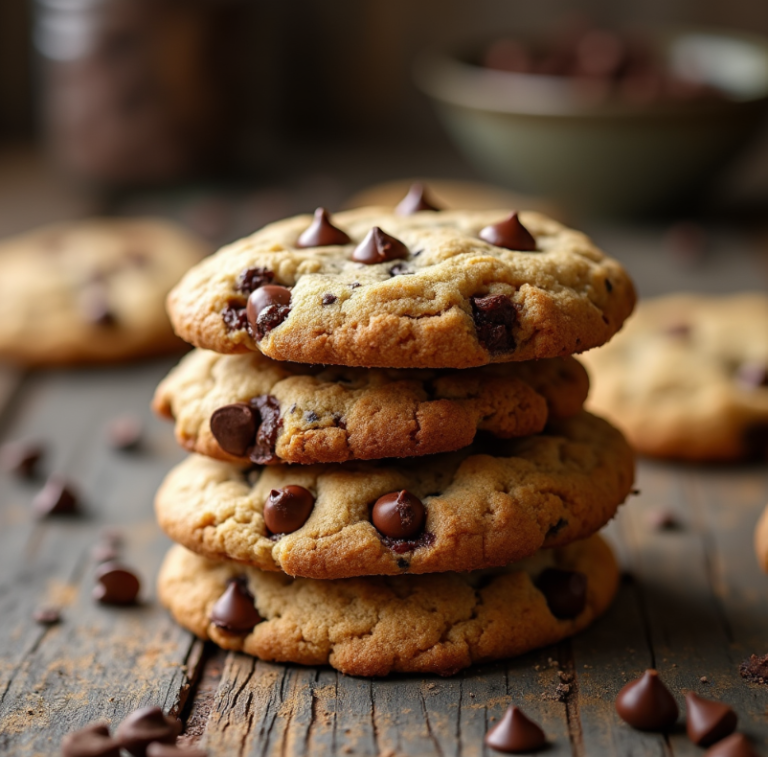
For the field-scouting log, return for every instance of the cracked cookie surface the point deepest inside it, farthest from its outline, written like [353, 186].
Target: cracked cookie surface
[356, 625]
[688, 377]
[451, 300]
[334, 414]
[482, 510]
[91, 290]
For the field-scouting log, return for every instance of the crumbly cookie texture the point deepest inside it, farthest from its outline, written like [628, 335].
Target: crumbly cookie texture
[375, 626]
[482, 510]
[688, 377]
[91, 290]
[761, 540]
[334, 414]
[414, 312]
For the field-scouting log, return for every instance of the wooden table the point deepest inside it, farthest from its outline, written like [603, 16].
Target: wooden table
[693, 603]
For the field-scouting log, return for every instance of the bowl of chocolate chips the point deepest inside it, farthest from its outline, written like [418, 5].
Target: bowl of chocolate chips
[605, 122]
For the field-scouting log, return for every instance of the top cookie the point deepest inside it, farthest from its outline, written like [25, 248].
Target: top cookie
[371, 288]
[91, 290]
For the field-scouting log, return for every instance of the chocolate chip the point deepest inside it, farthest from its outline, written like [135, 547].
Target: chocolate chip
[354, 285]
[752, 375]
[234, 610]
[564, 590]
[95, 308]
[252, 279]
[321, 232]
[147, 725]
[379, 247]
[92, 741]
[515, 733]
[156, 749]
[706, 721]
[495, 317]
[646, 704]
[415, 201]
[268, 409]
[737, 745]
[608, 286]
[55, 498]
[235, 317]
[401, 546]
[329, 299]
[115, 585]
[755, 669]
[47, 616]
[399, 515]
[21, 458]
[287, 509]
[557, 528]
[311, 416]
[124, 432]
[509, 233]
[267, 308]
[663, 520]
[400, 269]
[402, 563]
[234, 428]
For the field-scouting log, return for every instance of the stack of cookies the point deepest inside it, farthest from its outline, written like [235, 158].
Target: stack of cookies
[392, 469]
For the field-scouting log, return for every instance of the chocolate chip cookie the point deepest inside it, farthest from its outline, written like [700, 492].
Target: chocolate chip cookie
[688, 377]
[357, 625]
[249, 407]
[429, 289]
[91, 290]
[483, 506]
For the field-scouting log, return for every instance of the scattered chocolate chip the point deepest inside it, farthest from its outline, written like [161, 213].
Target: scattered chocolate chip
[509, 233]
[415, 201]
[252, 279]
[564, 590]
[733, 746]
[156, 749]
[752, 375]
[147, 725]
[646, 704]
[234, 428]
[124, 432]
[321, 232]
[95, 308]
[92, 741]
[267, 308]
[400, 269]
[311, 416]
[47, 616]
[329, 299]
[268, 409]
[234, 610]
[515, 733]
[495, 317]
[706, 721]
[663, 520]
[235, 317]
[21, 458]
[399, 515]
[755, 669]
[115, 585]
[55, 498]
[379, 247]
[608, 286]
[287, 509]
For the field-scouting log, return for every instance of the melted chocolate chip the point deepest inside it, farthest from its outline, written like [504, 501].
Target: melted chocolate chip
[116, 585]
[329, 299]
[55, 498]
[495, 318]
[734, 746]
[416, 200]
[234, 428]
[234, 610]
[379, 247]
[92, 741]
[156, 749]
[400, 269]
[252, 279]
[287, 509]
[706, 721]
[564, 590]
[268, 408]
[321, 232]
[399, 515]
[752, 375]
[509, 233]
[21, 458]
[147, 725]
[646, 704]
[235, 317]
[267, 308]
[124, 432]
[47, 616]
[515, 733]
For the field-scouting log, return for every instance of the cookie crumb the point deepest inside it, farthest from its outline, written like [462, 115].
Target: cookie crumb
[704, 679]
[755, 669]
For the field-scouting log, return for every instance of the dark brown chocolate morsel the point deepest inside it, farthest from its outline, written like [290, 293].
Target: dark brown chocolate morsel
[495, 318]
[515, 733]
[156, 749]
[55, 498]
[400, 269]
[755, 668]
[415, 201]
[329, 298]
[21, 458]
[287, 509]
[752, 375]
[234, 610]
[47, 616]
[646, 704]
[564, 590]
[267, 308]
[509, 233]
[399, 515]
[321, 232]
[379, 247]
[124, 432]
[92, 741]
[268, 409]
[252, 279]
[147, 725]
[235, 317]
[706, 721]
[116, 585]
[234, 428]
[737, 745]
